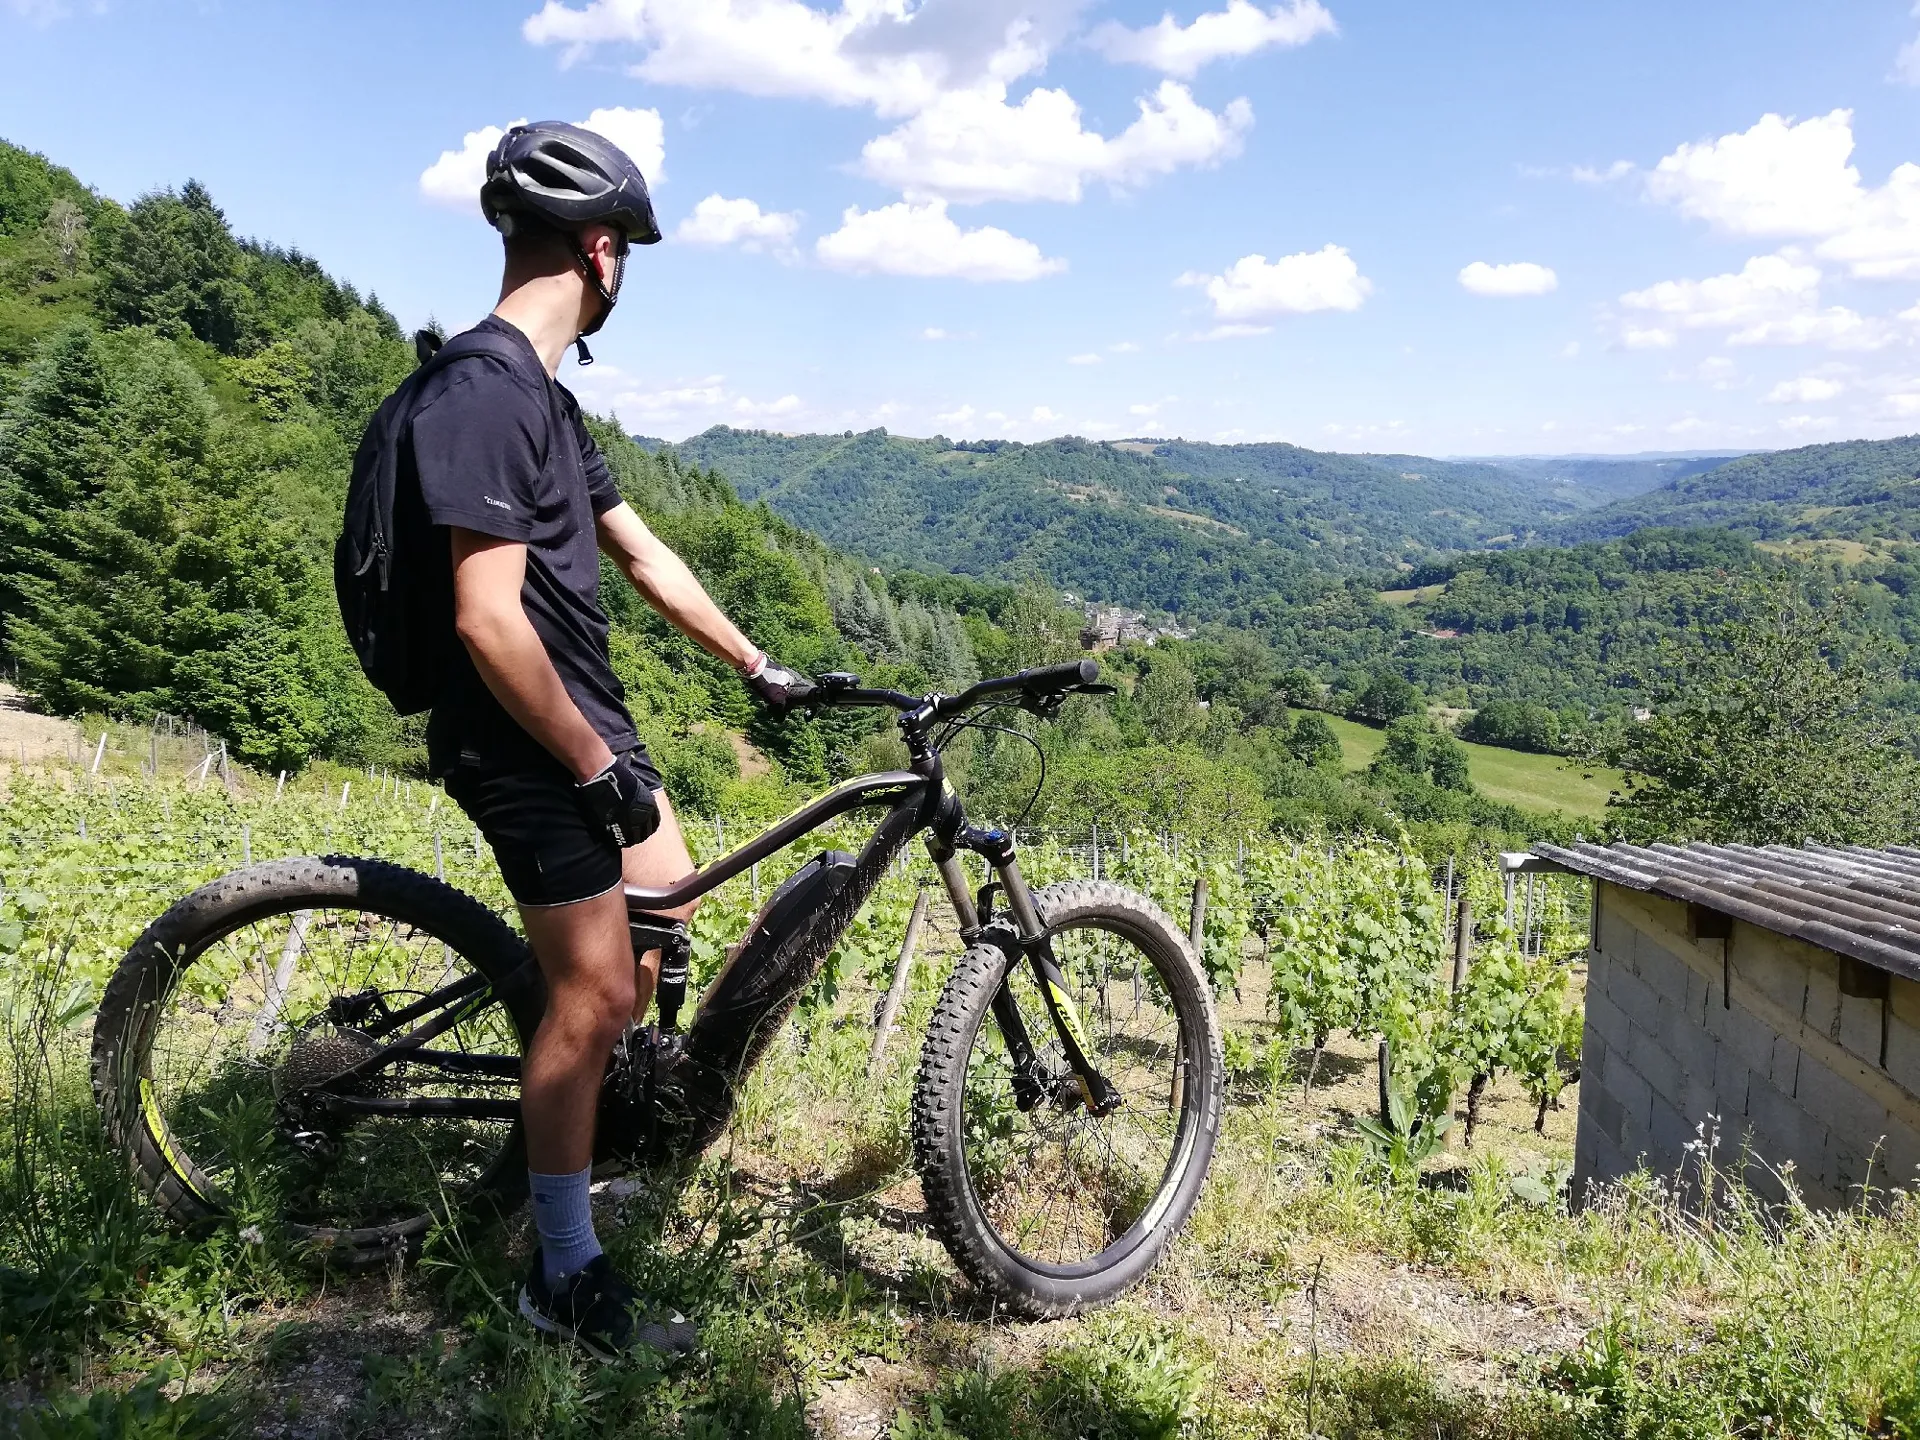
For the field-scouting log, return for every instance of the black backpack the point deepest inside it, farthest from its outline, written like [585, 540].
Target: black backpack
[395, 589]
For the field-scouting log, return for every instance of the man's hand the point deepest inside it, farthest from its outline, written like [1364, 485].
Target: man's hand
[619, 802]
[778, 686]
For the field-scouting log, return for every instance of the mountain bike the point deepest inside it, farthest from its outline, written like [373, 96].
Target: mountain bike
[335, 1042]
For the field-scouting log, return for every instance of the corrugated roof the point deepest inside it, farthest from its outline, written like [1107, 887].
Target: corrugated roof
[1855, 901]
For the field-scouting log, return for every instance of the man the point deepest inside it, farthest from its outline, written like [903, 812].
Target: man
[530, 730]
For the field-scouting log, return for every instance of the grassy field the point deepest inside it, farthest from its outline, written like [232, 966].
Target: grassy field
[1513, 777]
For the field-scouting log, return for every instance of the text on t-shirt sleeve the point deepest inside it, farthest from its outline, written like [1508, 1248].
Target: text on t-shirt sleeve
[479, 447]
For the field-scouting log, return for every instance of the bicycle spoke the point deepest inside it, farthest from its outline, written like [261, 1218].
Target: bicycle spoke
[1058, 1184]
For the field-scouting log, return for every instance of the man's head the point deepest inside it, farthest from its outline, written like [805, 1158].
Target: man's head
[568, 201]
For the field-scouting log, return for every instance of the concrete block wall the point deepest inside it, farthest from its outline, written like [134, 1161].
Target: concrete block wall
[1807, 1079]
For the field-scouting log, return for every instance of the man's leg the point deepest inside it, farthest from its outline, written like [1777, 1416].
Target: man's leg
[661, 859]
[587, 960]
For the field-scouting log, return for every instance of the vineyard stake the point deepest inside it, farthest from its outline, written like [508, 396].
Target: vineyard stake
[1096, 850]
[153, 754]
[246, 844]
[1463, 943]
[439, 864]
[277, 983]
[1385, 1058]
[753, 879]
[1526, 930]
[99, 753]
[1197, 916]
[896, 992]
[280, 785]
[345, 786]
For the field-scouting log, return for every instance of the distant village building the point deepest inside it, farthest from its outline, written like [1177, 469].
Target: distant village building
[1757, 1008]
[1108, 626]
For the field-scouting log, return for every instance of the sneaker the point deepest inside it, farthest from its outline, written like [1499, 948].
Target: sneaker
[599, 1311]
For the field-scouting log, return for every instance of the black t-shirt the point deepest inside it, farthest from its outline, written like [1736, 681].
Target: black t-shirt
[500, 449]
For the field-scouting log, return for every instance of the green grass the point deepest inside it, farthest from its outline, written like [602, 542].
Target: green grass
[1513, 777]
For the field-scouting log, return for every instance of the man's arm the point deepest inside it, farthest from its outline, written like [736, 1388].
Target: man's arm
[663, 578]
[508, 653]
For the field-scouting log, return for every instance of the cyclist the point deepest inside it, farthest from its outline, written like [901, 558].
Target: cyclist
[529, 730]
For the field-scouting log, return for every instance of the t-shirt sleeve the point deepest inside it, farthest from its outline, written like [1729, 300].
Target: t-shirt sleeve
[600, 484]
[479, 446]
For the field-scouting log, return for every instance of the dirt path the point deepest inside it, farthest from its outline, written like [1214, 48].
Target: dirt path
[30, 737]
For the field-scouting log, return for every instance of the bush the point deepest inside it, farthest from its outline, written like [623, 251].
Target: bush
[1516, 725]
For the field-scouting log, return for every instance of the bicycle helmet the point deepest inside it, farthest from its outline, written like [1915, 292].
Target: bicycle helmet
[565, 178]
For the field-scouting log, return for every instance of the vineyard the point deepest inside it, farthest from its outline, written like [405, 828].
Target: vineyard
[1384, 1247]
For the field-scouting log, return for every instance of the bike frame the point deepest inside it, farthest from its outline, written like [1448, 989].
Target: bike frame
[917, 800]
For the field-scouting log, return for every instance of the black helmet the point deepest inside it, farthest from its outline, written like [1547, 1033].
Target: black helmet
[564, 177]
[568, 177]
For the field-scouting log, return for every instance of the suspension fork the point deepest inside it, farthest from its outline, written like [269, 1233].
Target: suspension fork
[1029, 1081]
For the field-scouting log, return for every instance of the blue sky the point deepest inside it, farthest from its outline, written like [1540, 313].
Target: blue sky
[1358, 225]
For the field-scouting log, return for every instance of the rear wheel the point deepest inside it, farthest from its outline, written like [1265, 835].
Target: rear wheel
[1044, 1204]
[221, 1037]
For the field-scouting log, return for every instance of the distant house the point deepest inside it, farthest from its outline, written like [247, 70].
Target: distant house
[1108, 626]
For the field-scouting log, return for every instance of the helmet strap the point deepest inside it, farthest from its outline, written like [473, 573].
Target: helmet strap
[580, 351]
[608, 294]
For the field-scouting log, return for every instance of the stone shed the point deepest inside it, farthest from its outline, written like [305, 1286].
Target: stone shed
[1769, 993]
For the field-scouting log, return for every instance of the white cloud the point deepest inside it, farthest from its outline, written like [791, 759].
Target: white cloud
[1650, 337]
[1523, 277]
[971, 145]
[717, 220]
[1807, 390]
[1089, 358]
[1589, 175]
[1906, 64]
[1254, 287]
[962, 416]
[455, 178]
[1236, 331]
[923, 240]
[888, 54]
[1129, 347]
[1768, 286]
[942, 66]
[1570, 350]
[1785, 179]
[1240, 29]
[638, 132]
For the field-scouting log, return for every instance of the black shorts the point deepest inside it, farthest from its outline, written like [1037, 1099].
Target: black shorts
[548, 851]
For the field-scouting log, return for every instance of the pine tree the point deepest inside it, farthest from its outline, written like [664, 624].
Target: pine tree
[55, 444]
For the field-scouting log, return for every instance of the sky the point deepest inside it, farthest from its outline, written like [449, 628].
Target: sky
[1486, 227]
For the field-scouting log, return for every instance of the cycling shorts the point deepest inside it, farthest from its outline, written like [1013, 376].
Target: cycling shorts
[548, 851]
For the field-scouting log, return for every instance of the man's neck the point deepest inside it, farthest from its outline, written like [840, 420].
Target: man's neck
[547, 311]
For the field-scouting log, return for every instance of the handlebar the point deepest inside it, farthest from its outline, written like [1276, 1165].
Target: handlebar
[1039, 683]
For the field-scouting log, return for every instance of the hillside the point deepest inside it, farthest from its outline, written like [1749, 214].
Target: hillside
[1205, 530]
[1860, 490]
[1594, 480]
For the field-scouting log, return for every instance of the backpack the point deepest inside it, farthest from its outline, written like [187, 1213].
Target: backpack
[395, 593]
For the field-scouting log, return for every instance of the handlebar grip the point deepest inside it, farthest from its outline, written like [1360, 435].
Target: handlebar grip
[1060, 677]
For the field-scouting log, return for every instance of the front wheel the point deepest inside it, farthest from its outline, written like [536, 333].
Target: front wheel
[1044, 1204]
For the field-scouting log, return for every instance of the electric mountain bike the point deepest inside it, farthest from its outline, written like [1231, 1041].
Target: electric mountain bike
[336, 1042]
